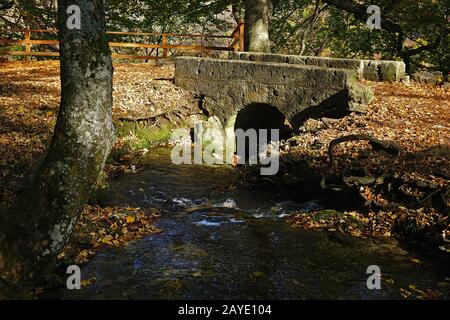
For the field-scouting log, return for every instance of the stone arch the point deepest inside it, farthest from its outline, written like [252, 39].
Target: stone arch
[258, 116]
[262, 116]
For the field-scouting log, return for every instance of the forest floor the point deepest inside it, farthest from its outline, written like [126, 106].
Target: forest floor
[415, 116]
[403, 194]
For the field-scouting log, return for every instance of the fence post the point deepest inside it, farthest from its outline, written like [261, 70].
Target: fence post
[28, 44]
[235, 40]
[165, 50]
[242, 37]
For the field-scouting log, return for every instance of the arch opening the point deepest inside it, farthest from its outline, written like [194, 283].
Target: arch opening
[261, 116]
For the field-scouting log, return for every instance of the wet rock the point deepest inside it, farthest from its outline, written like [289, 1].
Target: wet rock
[230, 203]
[207, 223]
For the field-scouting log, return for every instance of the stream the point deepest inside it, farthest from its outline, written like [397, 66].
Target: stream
[219, 242]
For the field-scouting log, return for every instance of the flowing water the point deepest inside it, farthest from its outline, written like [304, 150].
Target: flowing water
[219, 242]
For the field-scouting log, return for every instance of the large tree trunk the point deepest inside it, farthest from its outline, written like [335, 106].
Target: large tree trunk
[257, 26]
[37, 228]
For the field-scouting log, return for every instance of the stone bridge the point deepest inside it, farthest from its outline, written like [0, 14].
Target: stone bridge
[267, 91]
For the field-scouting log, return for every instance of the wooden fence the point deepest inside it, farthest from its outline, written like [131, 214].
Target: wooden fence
[233, 42]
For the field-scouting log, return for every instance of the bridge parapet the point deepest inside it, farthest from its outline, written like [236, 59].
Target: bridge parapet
[372, 70]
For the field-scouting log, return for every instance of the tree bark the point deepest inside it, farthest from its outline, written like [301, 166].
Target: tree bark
[38, 226]
[257, 26]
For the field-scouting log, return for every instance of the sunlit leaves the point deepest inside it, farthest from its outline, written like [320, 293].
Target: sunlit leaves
[108, 227]
[415, 116]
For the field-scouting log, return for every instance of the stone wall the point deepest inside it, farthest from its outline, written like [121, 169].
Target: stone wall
[373, 70]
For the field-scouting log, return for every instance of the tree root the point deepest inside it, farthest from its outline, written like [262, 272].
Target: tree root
[390, 147]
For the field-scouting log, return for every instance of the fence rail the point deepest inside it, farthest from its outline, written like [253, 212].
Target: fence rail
[235, 42]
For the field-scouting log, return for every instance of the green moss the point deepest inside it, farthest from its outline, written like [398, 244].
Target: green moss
[388, 72]
[142, 135]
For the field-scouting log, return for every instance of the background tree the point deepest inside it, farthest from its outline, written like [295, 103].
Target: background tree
[417, 31]
[295, 27]
[36, 229]
[257, 25]
[36, 14]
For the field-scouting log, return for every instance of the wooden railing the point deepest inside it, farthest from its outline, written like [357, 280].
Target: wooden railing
[234, 42]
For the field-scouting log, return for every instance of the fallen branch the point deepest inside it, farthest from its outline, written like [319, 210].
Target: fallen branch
[390, 147]
[432, 194]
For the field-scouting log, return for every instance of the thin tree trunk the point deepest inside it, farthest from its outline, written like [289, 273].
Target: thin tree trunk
[236, 11]
[38, 227]
[257, 26]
